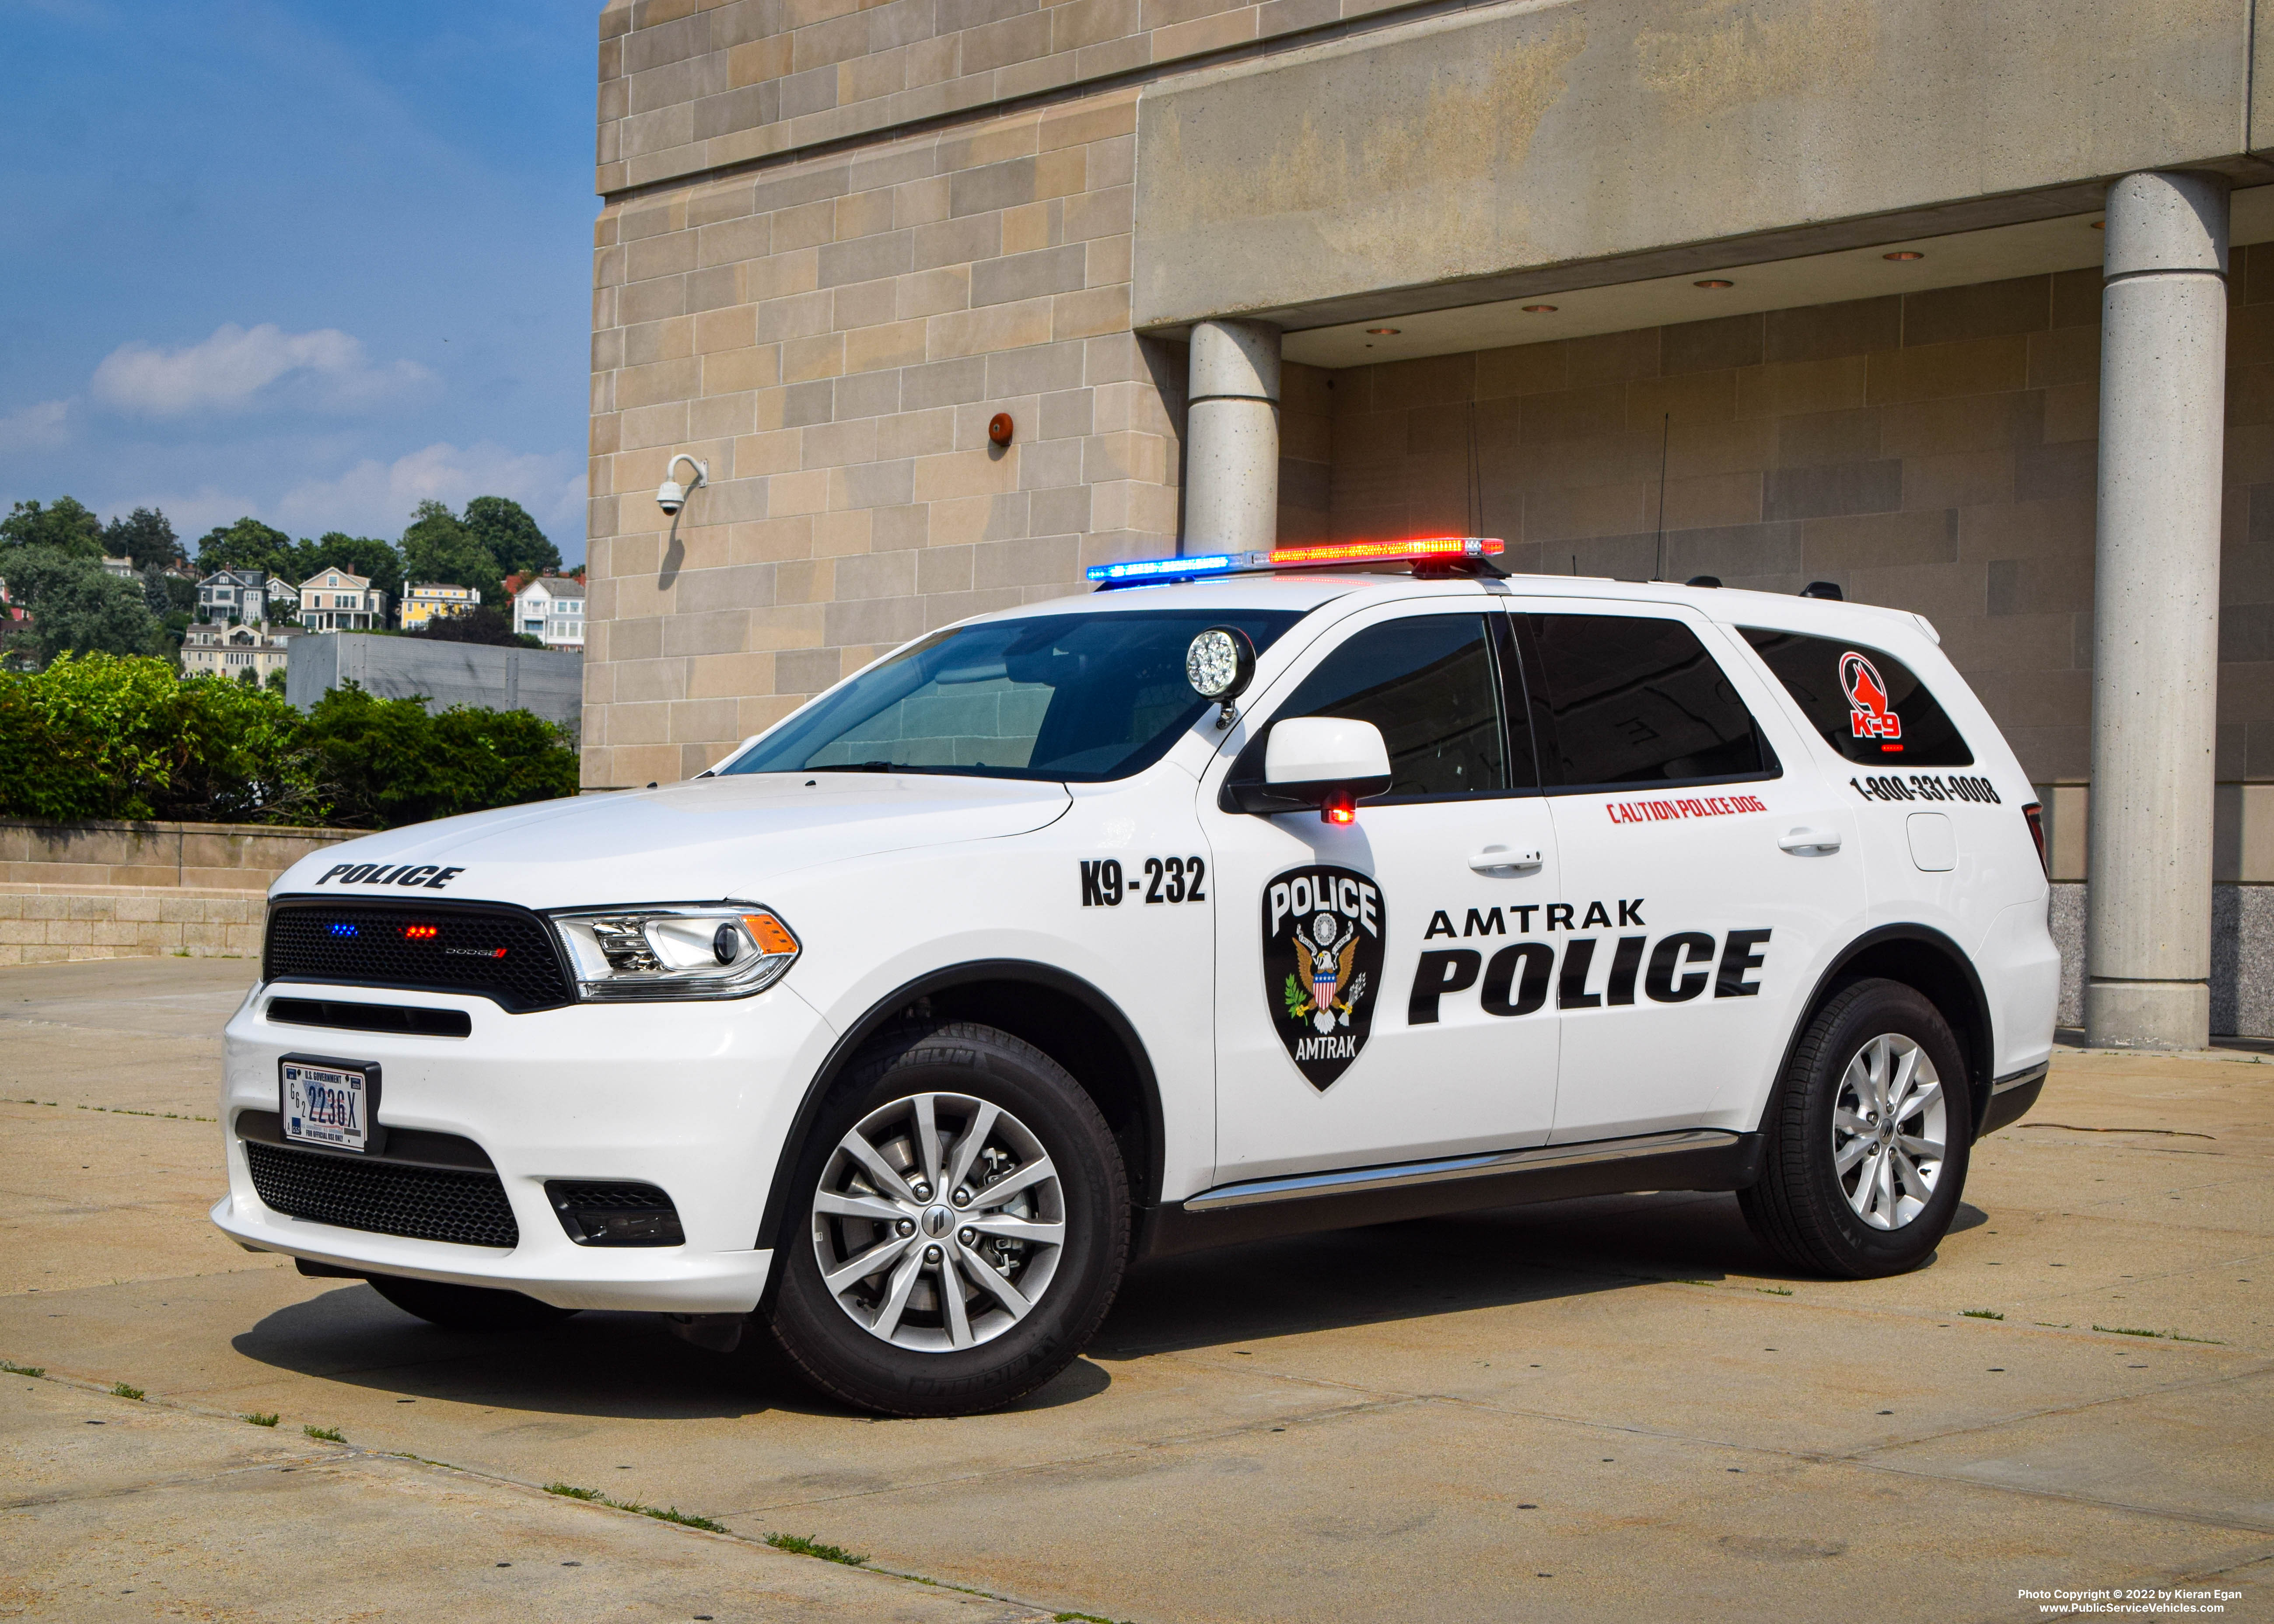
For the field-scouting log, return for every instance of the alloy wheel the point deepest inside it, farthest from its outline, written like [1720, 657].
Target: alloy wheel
[938, 1222]
[1889, 1127]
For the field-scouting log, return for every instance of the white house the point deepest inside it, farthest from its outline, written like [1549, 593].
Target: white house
[231, 651]
[552, 608]
[338, 600]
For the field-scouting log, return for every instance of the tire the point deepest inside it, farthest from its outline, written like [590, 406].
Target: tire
[467, 1308]
[1035, 1159]
[1867, 1218]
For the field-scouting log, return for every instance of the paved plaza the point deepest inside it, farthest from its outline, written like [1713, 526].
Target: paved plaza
[1612, 1409]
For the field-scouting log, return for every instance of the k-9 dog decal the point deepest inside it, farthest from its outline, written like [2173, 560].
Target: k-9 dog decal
[1322, 966]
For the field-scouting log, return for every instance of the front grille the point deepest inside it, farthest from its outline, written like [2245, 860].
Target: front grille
[424, 1203]
[499, 953]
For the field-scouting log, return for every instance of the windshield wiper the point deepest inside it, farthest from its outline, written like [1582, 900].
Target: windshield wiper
[867, 766]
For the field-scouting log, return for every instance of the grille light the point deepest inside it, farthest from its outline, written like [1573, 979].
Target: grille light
[340, 928]
[420, 933]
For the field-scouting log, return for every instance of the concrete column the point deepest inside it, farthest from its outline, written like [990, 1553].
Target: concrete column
[2155, 680]
[1231, 438]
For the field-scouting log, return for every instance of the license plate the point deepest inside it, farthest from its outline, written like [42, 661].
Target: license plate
[327, 1105]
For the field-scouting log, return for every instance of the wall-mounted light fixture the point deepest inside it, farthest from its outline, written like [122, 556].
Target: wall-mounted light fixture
[1539, 310]
[1904, 253]
[1713, 282]
[671, 495]
[999, 429]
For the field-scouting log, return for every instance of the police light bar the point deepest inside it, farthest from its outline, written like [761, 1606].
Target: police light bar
[1424, 550]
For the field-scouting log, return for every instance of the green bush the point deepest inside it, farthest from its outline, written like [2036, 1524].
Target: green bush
[114, 736]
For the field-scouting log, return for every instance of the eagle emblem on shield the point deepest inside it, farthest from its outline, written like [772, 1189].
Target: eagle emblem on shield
[1322, 945]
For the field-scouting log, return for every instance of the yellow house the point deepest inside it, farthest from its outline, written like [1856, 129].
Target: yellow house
[422, 603]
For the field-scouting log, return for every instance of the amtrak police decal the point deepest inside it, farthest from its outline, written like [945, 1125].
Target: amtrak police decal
[1322, 966]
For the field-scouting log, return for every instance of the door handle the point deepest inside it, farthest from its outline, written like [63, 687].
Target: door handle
[1505, 862]
[1805, 842]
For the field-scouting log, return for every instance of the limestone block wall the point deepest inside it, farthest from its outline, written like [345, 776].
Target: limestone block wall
[212, 856]
[1934, 450]
[832, 336]
[53, 925]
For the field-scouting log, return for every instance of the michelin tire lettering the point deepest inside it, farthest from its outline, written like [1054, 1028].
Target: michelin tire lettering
[1322, 952]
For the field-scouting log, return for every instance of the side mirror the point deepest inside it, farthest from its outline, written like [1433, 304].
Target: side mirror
[1329, 761]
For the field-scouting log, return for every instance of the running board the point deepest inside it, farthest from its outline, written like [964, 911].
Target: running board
[1687, 1159]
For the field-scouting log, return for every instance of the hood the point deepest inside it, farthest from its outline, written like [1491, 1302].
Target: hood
[706, 838]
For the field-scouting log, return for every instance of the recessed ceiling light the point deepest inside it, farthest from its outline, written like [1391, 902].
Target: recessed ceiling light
[1904, 253]
[1715, 281]
[1539, 310]
[1382, 332]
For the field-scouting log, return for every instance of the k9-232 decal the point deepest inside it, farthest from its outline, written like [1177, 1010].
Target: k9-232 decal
[1104, 885]
[1322, 966]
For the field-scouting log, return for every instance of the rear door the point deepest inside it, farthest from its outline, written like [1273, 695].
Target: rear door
[1371, 1003]
[1708, 868]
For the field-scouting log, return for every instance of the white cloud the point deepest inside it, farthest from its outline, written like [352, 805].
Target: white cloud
[376, 498]
[233, 369]
[45, 423]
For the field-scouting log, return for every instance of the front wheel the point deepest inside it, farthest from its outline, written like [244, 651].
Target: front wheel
[1866, 1138]
[965, 1215]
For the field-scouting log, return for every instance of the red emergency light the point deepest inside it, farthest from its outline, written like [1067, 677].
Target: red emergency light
[1423, 547]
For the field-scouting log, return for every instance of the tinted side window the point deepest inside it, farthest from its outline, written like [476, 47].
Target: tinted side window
[1432, 683]
[1867, 704]
[1639, 701]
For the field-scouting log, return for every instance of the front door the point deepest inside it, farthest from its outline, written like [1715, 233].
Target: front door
[1373, 1001]
[1695, 923]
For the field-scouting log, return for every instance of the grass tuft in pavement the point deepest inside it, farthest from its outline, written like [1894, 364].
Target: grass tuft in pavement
[119, 1389]
[1979, 1313]
[2130, 1330]
[324, 1434]
[14, 1369]
[1079, 1618]
[661, 1513]
[800, 1544]
[263, 1417]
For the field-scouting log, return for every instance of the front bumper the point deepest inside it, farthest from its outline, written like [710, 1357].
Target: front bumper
[693, 1098]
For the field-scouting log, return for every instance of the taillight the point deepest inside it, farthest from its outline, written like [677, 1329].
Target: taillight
[2036, 813]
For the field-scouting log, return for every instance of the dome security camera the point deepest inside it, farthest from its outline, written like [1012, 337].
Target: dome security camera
[671, 495]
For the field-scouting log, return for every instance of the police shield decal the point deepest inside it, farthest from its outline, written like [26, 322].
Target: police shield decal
[1322, 966]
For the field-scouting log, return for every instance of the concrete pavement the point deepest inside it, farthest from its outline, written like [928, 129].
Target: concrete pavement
[1597, 1409]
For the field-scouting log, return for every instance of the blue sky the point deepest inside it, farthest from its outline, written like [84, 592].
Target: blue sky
[307, 262]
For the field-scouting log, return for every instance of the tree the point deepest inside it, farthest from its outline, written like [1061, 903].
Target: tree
[370, 556]
[250, 545]
[66, 526]
[143, 535]
[504, 527]
[77, 609]
[439, 548]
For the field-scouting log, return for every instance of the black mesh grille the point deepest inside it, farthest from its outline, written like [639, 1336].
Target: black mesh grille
[499, 953]
[426, 1204]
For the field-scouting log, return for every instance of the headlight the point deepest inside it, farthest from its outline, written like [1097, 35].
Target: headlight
[727, 949]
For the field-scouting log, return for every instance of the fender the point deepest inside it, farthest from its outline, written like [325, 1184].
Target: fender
[1145, 1181]
[1981, 1052]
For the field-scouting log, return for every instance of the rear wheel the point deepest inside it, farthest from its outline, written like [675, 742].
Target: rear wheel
[1866, 1136]
[964, 1218]
[467, 1308]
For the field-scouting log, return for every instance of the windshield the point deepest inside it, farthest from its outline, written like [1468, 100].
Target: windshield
[1079, 697]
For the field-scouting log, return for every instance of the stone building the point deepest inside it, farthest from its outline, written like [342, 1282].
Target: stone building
[1966, 305]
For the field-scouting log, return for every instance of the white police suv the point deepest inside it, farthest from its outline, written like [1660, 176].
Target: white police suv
[1243, 897]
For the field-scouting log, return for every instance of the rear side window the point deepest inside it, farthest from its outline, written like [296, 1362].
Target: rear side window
[1866, 704]
[1637, 700]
